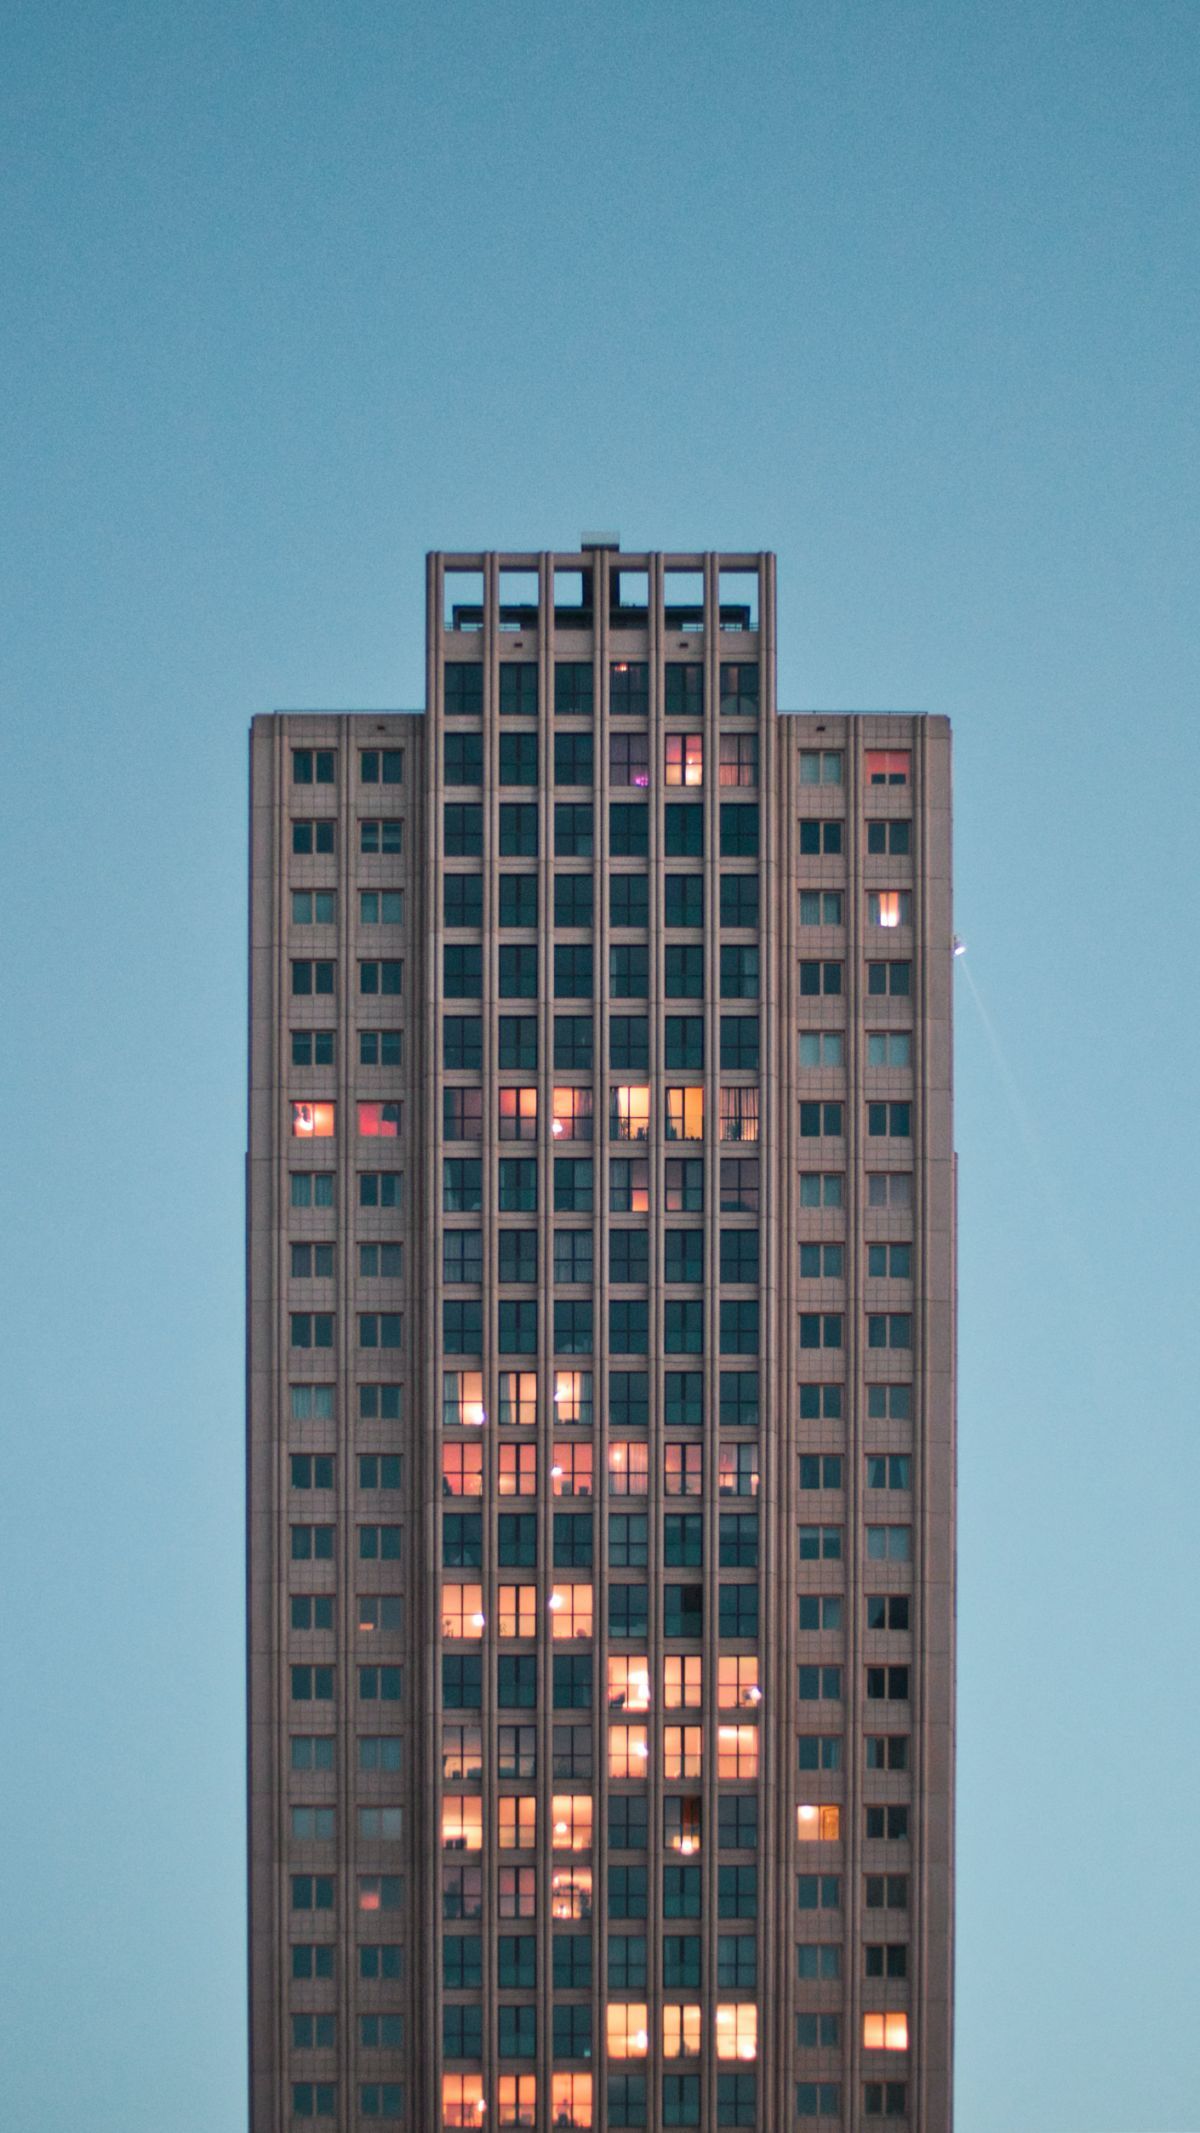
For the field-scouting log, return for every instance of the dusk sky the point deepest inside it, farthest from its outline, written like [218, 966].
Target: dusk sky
[906, 292]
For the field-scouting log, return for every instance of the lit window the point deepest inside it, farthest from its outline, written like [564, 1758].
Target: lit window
[818, 1825]
[627, 2029]
[739, 759]
[683, 1679]
[462, 1611]
[737, 1683]
[518, 1114]
[889, 907]
[462, 2100]
[571, 1473]
[462, 1822]
[630, 1109]
[681, 2030]
[628, 1467]
[312, 1122]
[462, 1470]
[518, 1398]
[737, 2030]
[570, 1898]
[628, 1752]
[684, 758]
[683, 1469]
[682, 1747]
[885, 2032]
[887, 766]
[685, 1114]
[571, 1114]
[570, 1612]
[462, 1399]
[573, 1396]
[517, 1610]
[571, 1821]
[516, 1822]
[737, 1751]
[739, 1114]
[379, 1121]
[570, 2097]
[518, 2092]
[517, 1470]
[628, 1684]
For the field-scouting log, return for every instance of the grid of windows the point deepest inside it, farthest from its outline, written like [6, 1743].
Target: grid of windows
[570, 1074]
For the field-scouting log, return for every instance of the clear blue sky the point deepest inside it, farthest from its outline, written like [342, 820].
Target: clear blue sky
[292, 293]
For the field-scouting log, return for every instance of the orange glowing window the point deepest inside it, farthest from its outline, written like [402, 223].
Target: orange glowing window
[739, 1114]
[818, 1825]
[628, 1466]
[739, 759]
[628, 1752]
[683, 1682]
[462, 1822]
[518, 1399]
[312, 1122]
[462, 1399]
[516, 1892]
[737, 2031]
[462, 2100]
[885, 2032]
[683, 1469]
[517, 1470]
[571, 1473]
[627, 2023]
[516, 1822]
[571, 1114]
[518, 1114]
[685, 1114]
[630, 1111]
[682, 1750]
[888, 766]
[517, 1610]
[462, 1469]
[379, 1121]
[570, 1893]
[573, 1397]
[462, 1611]
[628, 1684]
[681, 2030]
[570, 2100]
[570, 1612]
[737, 1751]
[889, 907]
[737, 1683]
[517, 2100]
[571, 1821]
[684, 758]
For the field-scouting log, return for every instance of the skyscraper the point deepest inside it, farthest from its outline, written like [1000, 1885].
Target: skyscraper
[601, 1379]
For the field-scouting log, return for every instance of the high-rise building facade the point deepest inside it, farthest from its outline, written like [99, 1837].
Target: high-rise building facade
[601, 1380]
